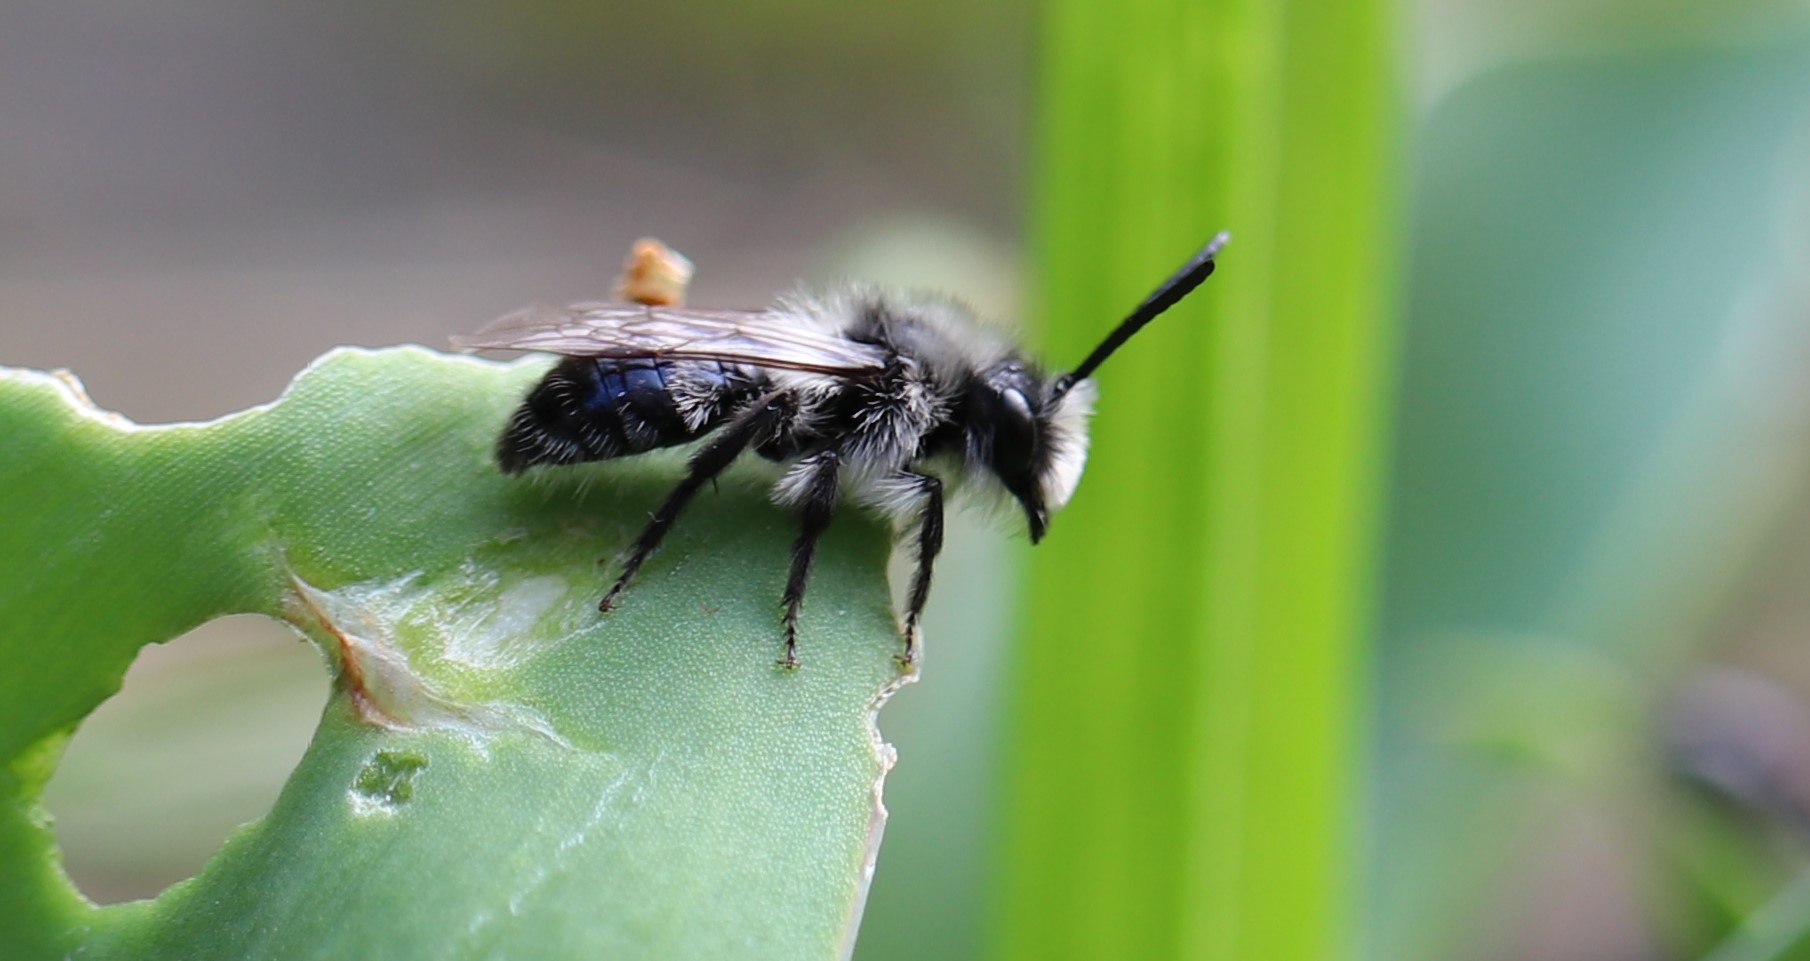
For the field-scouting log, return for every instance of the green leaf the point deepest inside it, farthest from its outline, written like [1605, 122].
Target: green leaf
[500, 770]
[1188, 726]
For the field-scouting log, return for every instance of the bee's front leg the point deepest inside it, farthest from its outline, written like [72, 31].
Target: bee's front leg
[930, 543]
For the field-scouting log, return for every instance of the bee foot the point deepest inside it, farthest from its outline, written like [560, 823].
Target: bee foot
[909, 658]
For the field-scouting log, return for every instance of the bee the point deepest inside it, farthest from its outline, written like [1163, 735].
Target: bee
[858, 392]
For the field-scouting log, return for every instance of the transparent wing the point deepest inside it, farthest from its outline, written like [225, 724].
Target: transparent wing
[761, 338]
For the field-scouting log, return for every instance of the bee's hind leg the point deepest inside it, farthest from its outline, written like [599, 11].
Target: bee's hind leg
[759, 422]
[930, 543]
[817, 506]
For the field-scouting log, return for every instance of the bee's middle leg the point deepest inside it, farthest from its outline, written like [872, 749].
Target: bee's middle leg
[817, 507]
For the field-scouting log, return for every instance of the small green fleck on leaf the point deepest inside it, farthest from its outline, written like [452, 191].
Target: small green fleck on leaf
[388, 778]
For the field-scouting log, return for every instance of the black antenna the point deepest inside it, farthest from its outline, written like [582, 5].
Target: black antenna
[1174, 289]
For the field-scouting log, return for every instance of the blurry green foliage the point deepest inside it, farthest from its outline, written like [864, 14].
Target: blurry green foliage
[1601, 292]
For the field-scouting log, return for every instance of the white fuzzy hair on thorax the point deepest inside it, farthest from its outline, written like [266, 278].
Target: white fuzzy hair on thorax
[947, 334]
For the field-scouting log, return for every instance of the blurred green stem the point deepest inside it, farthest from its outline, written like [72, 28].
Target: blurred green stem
[1186, 731]
[1776, 932]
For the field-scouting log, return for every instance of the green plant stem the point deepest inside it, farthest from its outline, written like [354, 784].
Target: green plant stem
[1188, 720]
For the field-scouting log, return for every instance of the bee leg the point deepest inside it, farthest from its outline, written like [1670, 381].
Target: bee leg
[761, 421]
[819, 506]
[930, 543]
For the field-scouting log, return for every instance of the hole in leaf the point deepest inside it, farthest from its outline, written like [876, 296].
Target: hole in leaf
[198, 741]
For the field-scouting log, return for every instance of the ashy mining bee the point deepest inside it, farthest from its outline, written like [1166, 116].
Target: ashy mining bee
[859, 390]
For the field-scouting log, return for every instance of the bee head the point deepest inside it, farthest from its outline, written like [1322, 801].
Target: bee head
[1038, 427]
[1031, 438]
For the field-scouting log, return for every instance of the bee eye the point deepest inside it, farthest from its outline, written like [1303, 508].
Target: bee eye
[1019, 404]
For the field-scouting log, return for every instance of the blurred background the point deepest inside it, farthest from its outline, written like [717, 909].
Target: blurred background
[1587, 732]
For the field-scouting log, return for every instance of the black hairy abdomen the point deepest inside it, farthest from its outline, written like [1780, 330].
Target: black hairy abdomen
[596, 408]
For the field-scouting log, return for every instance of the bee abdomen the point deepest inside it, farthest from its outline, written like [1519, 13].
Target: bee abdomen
[596, 408]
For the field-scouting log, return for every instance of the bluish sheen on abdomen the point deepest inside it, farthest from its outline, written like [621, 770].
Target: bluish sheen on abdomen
[595, 408]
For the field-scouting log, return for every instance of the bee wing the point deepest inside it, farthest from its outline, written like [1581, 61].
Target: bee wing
[763, 338]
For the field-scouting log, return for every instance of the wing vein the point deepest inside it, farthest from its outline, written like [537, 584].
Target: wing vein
[761, 338]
